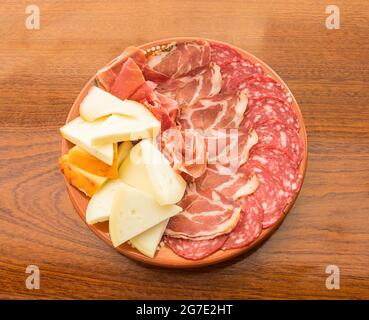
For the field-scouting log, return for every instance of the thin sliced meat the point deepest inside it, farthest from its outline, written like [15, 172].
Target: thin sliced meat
[222, 54]
[278, 136]
[266, 110]
[270, 195]
[260, 85]
[187, 90]
[205, 215]
[144, 92]
[218, 112]
[107, 75]
[280, 166]
[248, 227]
[187, 153]
[227, 182]
[194, 250]
[234, 74]
[129, 79]
[181, 59]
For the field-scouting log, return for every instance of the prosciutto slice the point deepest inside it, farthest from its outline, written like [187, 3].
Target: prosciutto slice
[107, 75]
[181, 59]
[218, 112]
[187, 90]
[206, 215]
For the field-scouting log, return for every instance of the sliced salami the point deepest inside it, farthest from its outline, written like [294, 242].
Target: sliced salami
[248, 227]
[278, 136]
[223, 54]
[270, 195]
[194, 249]
[234, 74]
[266, 110]
[264, 86]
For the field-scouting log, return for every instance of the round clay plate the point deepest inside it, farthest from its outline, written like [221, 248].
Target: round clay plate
[165, 257]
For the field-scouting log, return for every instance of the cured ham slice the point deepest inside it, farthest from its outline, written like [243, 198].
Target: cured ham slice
[220, 111]
[180, 59]
[129, 79]
[191, 88]
[227, 182]
[194, 250]
[205, 215]
[107, 75]
[266, 110]
[248, 227]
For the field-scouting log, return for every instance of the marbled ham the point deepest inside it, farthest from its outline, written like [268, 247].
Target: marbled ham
[205, 215]
[181, 59]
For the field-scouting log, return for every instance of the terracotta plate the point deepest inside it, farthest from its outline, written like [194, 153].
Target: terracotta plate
[166, 257]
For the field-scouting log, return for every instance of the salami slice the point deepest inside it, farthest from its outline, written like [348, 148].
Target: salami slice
[281, 167]
[248, 227]
[234, 74]
[264, 86]
[222, 54]
[195, 249]
[270, 195]
[265, 110]
[278, 136]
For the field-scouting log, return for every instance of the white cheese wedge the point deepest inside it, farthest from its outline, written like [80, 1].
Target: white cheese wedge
[100, 206]
[148, 170]
[148, 241]
[122, 128]
[99, 103]
[79, 132]
[134, 212]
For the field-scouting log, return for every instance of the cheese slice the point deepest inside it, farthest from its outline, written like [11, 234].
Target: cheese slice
[134, 212]
[87, 182]
[79, 132]
[147, 169]
[148, 241]
[122, 128]
[100, 206]
[99, 103]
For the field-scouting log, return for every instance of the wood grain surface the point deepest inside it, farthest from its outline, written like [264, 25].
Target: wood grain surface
[41, 73]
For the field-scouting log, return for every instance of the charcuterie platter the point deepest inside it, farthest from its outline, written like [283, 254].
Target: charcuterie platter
[184, 152]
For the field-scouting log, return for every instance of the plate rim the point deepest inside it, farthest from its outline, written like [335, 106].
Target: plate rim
[170, 259]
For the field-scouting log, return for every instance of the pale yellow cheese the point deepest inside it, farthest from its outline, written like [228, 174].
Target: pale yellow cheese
[99, 103]
[122, 128]
[100, 206]
[80, 132]
[148, 241]
[134, 212]
[147, 169]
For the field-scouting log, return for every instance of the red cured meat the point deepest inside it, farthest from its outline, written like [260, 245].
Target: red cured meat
[182, 59]
[194, 250]
[206, 82]
[270, 195]
[129, 79]
[264, 86]
[205, 215]
[234, 74]
[248, 227]
[266, 110]
[144, 92]
[220, 111]
[280, 166]
[108, 74]
[222, 54]
[278, 136]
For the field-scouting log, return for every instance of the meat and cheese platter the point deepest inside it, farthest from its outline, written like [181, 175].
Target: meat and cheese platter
[184, 152]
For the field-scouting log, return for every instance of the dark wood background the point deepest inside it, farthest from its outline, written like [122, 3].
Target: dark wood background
[41, 74]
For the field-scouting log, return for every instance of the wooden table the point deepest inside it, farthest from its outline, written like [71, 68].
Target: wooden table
[41, 73]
